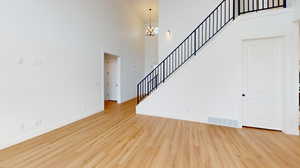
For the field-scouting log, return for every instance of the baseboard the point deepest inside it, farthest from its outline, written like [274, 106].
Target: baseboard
[39, 132]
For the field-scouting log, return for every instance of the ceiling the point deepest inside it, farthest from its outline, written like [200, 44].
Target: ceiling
[142, 7]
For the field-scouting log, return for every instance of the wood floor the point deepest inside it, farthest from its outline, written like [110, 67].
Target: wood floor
[118, 138]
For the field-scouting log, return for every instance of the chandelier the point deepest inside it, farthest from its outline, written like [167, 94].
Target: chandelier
[150, 30]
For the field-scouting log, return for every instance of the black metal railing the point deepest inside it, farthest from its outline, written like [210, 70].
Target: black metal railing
[247, 6]
[225, 12]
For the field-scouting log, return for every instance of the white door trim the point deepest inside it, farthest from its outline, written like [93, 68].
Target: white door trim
[245, 77]
[118, 58]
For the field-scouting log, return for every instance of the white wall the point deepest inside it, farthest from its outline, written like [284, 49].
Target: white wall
[51, 62]
[192, 12]
[180, 17]
[210, 84]
[297, 10]
[151, 53]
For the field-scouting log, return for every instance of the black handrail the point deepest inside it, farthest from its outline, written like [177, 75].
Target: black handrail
[206, 30]
[247, 6]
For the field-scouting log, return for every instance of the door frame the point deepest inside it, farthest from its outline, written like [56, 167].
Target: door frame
[283, 77]
[118, 58]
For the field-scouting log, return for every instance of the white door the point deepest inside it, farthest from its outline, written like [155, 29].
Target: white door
[263, 83]
[111, 78]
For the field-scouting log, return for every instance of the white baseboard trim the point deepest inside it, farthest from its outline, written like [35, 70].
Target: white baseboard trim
[39, 132]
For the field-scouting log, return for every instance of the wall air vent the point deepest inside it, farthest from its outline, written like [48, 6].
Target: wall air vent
[224, 122]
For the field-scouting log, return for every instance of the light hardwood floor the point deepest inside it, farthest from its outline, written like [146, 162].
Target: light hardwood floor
[118, 138]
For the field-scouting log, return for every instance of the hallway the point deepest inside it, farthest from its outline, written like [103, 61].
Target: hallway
[118, 138]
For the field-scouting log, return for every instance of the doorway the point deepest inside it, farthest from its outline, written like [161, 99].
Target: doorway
[111, 78]
[262, 97]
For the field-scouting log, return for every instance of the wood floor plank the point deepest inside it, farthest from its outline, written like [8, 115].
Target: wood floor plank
[118, 138]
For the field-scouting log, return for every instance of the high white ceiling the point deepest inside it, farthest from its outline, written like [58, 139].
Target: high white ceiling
[142, 7]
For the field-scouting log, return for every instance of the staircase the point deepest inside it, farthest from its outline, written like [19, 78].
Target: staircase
[224, 13]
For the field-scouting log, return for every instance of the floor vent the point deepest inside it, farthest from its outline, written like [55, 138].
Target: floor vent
[224, 122]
